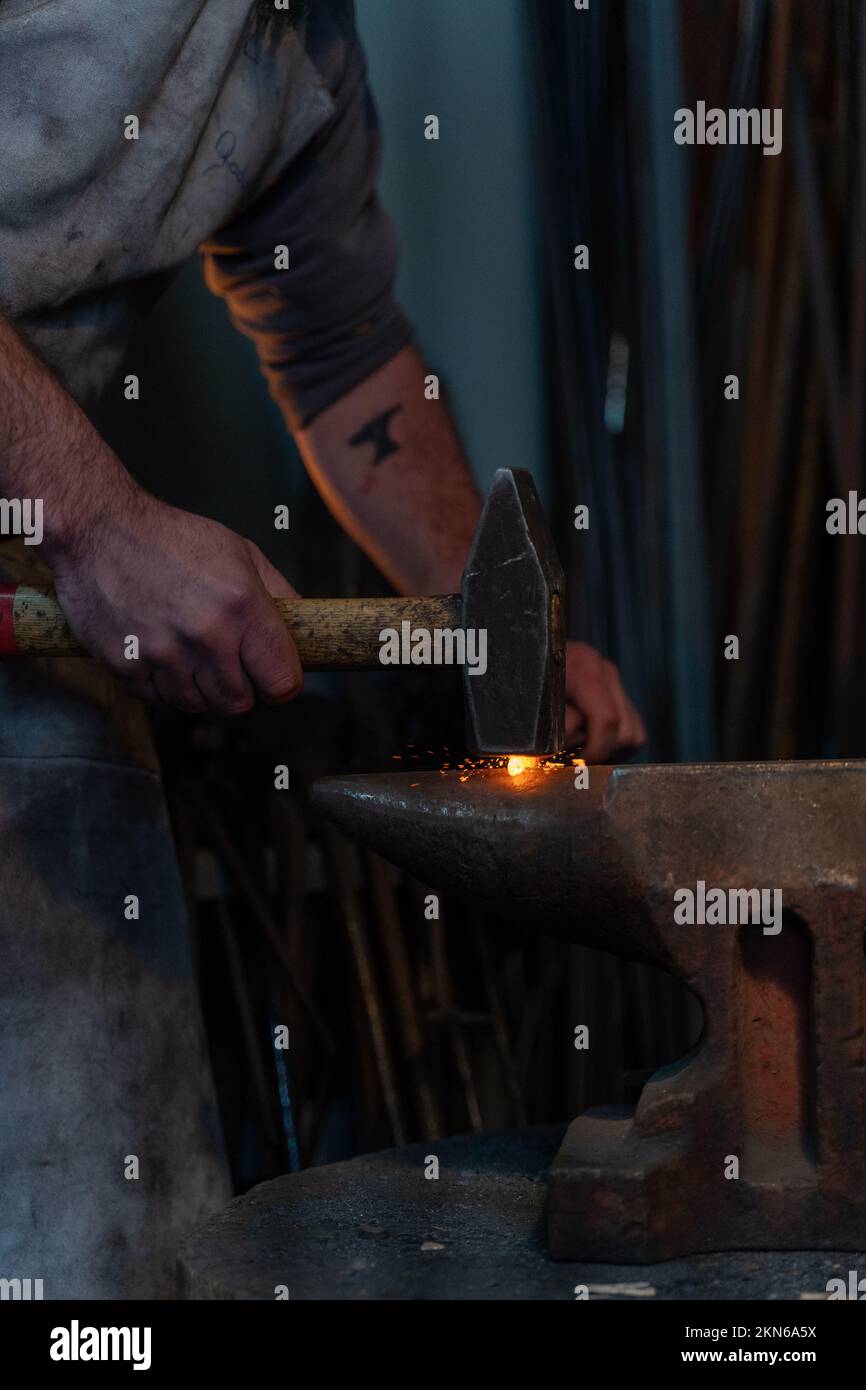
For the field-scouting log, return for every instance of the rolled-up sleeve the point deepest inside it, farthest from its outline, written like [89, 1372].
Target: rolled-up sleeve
[329, 320]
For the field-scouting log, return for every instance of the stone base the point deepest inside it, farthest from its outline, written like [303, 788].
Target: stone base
[375, 1228]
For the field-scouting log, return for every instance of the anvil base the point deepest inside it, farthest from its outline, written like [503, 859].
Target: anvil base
[618, 1196]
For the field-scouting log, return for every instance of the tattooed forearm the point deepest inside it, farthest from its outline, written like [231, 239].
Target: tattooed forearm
[389, 464]
[375, 432]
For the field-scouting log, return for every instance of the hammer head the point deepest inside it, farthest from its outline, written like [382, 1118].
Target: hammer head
[512, 588]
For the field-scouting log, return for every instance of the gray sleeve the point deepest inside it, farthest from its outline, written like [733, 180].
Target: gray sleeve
[331, 319]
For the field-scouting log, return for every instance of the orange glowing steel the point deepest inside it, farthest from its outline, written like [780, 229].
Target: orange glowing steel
[517, 766]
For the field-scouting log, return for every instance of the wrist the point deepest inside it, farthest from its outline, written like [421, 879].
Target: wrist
[78, 524]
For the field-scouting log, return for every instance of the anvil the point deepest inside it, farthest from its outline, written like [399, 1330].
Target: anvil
[756, 1138]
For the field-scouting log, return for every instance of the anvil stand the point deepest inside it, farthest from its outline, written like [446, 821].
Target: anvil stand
[776, 1082]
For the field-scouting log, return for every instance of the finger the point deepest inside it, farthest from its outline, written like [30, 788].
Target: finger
[592, 696]
[587, 695]
[574, 725]
[602, 722]
[600, 738]
[179, 690]
[224, 687]
[267, 651]
[636, 730]
[619, 702]
[270, 658]
[631, 732]
[274, 582]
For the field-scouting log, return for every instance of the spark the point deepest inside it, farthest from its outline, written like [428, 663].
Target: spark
[516, 765]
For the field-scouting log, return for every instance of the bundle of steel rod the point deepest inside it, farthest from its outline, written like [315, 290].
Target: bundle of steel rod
[711, 261]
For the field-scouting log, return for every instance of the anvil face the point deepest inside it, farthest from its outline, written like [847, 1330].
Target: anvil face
[651, 863]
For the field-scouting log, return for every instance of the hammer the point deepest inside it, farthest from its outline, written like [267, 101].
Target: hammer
[509, 609]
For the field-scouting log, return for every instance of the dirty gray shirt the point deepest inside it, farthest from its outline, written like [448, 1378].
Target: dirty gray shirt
[255, 130]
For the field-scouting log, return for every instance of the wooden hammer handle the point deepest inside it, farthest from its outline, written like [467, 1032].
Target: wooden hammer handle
[331, 634]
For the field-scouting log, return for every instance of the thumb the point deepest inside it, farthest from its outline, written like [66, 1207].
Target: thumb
[267, 651]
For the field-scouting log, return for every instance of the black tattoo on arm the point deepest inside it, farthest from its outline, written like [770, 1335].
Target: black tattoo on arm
[375, 432]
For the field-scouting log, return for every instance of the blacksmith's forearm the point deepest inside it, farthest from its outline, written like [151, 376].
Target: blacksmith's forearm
[50, 451]
[390, 466]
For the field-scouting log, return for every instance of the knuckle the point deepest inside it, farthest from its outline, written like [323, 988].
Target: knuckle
[165, 654]
[209, 631]
[238, 608]
[213, 628]
[235, 605]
